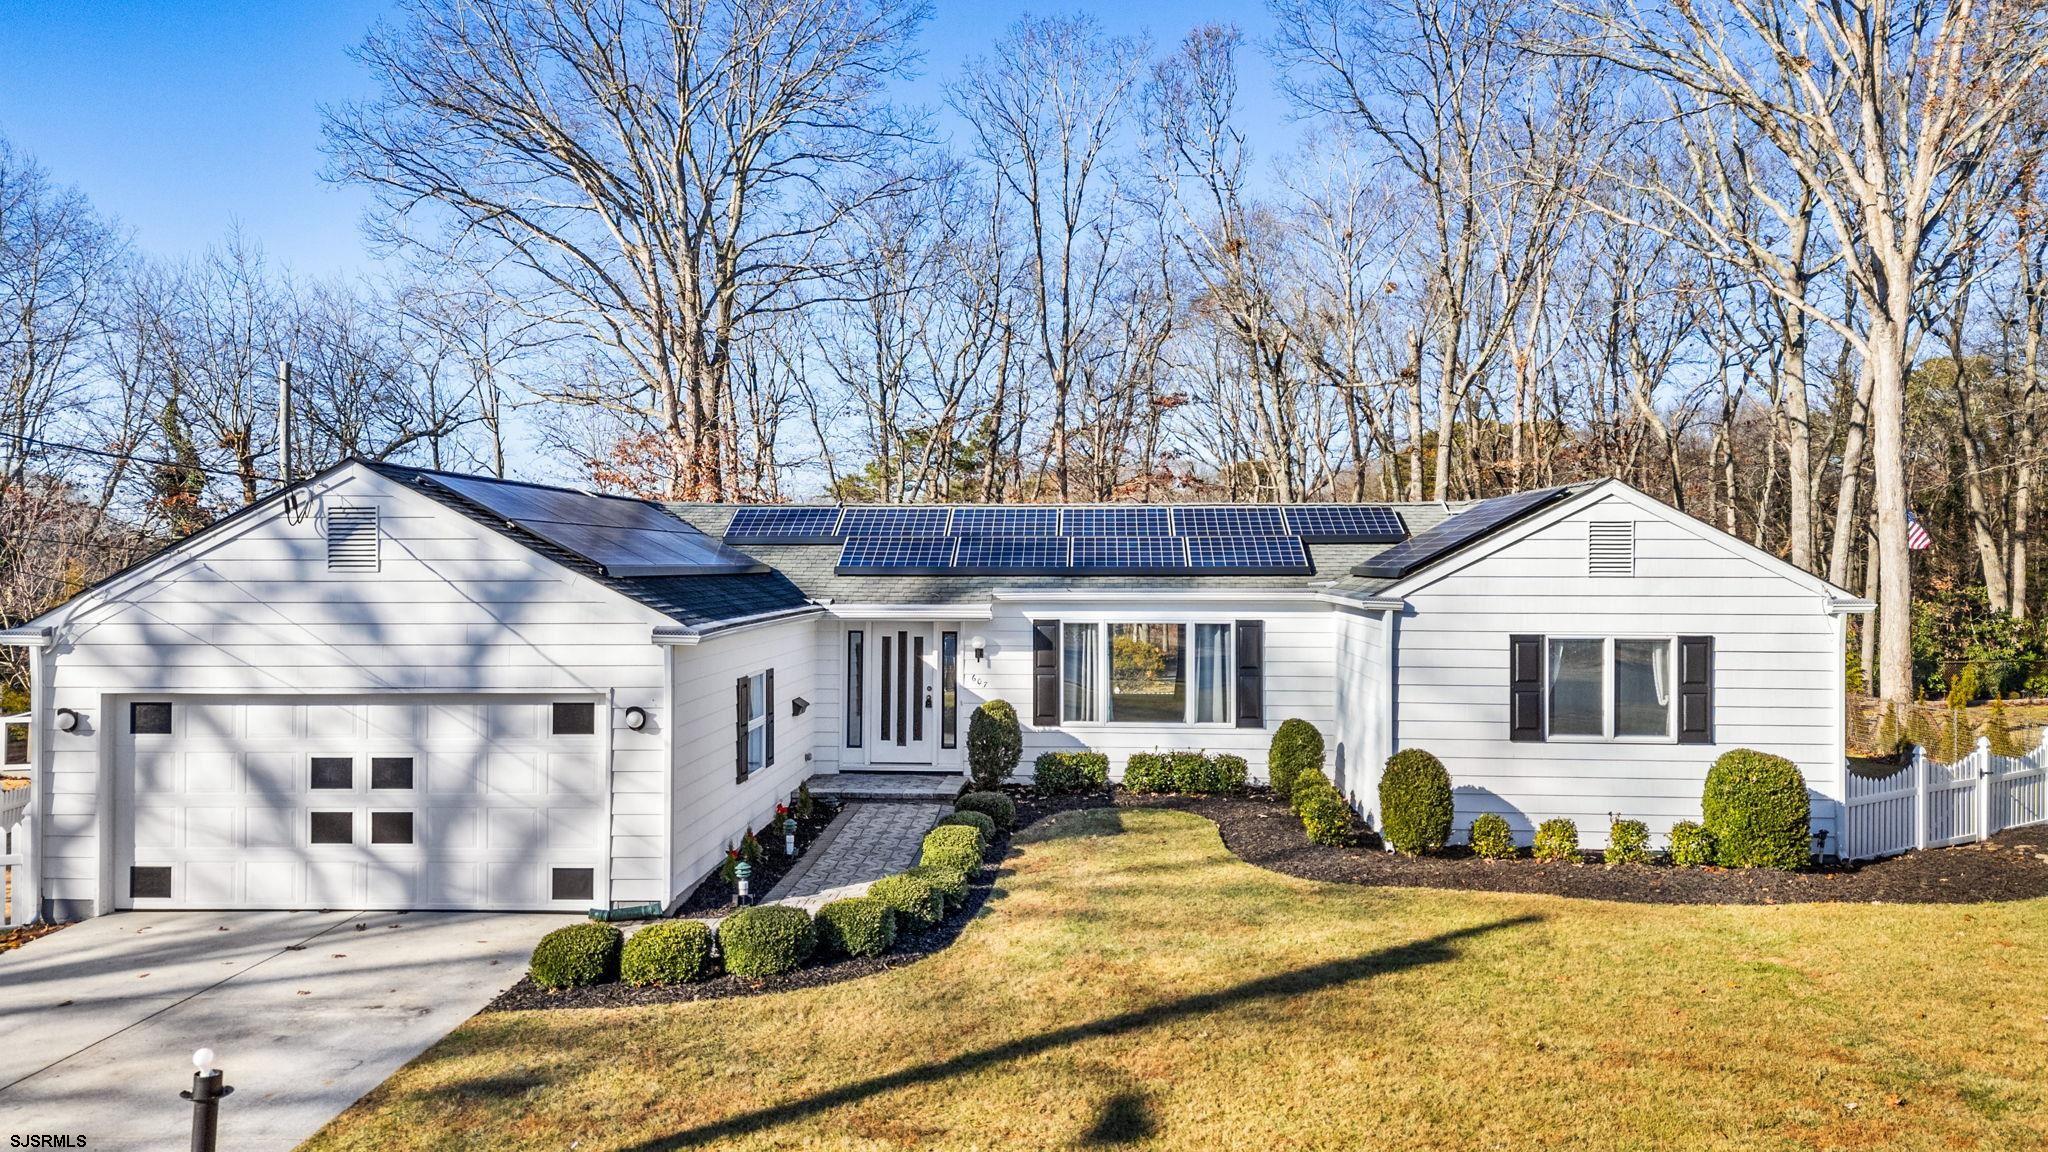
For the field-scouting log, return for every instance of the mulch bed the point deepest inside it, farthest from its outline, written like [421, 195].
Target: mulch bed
[13, 938]
[714, 896]
[2013, 865]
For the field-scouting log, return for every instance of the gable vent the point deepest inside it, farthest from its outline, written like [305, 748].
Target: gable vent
[1611, 548]
[352, 540]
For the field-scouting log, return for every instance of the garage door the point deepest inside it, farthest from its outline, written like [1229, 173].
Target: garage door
[379, 802]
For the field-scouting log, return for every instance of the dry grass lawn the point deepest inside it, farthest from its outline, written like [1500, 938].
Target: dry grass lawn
[1135, 985]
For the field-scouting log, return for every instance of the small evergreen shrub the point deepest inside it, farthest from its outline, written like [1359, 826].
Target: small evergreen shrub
[1325, 817]
[766, 941]
[577, 956]
[1059, 773]
[1297, 747]
[1557, 839]
[951, 882]
[1309, 780]
[1491, 837]
[1148, 772]
[1415, 802]
[1691, 844]
[915, 898]
[1889, 738]
[952, 847]
[1194, 772]
[1998, 730]
[861, 926]
[978, 821]
[1756, 807]
[1628, 842]
[995, 742]
[997, 806]
[667, 952]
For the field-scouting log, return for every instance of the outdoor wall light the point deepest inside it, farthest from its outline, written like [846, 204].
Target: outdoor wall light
[636, 718]
[980, 647]
[799, 706]
[67, 720]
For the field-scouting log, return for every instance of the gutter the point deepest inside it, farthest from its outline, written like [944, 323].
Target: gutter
[25, 638]
[677, 635]
[1848, 606]
[1153, 595]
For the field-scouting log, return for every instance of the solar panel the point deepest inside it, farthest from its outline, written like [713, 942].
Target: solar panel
[623, 537]
[1227, 520]
[1012, 554]
[1435, 543]
[1130, 554]
[1242, 555]
[907, 520]
[1116, 521]
[811, 525]
[1345, 523]
[897, 555]
[985, 520]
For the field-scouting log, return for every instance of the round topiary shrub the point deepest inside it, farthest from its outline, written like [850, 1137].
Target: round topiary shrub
[953, 846]
[1491, 837]
[1691, 845]
[1557, 839]
[1148, 772]
[1309, 780]
[994, 744]
[1756, 808]
[1061, 773]
[1628, 842]
[1324, 816]
[668, 952]
[915, 898]
[951, 882]
[577, 956]
[996, 806]
[766, 941]
[861, 926]
[1297, 747]
[978, 821]
[1415, 802]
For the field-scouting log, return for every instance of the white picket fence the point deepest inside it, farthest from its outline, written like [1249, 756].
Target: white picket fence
[1926, 804]
[14, 910]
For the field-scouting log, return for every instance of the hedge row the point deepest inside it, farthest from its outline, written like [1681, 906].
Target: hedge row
[1197, 772]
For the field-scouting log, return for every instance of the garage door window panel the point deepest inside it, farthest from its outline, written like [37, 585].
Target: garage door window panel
[333, 773]
[391, 773]
[150, 718]
[573, 719]
[333, 828]
[390, 827]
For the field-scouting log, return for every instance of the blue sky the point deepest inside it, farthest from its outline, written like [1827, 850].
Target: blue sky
[183, 119]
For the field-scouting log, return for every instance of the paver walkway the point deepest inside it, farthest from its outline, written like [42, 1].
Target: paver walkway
[866, 843]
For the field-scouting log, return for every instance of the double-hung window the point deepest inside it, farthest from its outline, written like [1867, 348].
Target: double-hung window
[1146, 672]
[1617, 688]
[757, 722]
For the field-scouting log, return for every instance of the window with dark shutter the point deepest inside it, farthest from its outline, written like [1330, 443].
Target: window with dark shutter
[1695, 689]
[1045, 673]
[1525, 688]
[740, 732]
[1251, 673]
[768, 718]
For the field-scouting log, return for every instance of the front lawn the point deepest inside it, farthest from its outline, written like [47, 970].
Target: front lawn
[1135, 985]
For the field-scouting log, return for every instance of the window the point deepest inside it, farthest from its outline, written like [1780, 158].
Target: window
[352, 539]
[150, 718]
[149, 883]
[757, 722]
[573, 720]
[390, 827]
[1601, 688]
[391, 772]
[1148, 672]
[572, 884]
[1080, 660]
[1147, 675]
[949, 689]
[1212, 674]
[856, 686]
[334, 828]
[332, 772]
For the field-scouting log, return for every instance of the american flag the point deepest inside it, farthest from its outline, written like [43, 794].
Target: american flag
[1917, 538]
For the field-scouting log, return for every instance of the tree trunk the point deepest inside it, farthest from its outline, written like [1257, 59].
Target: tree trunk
[1887, 345]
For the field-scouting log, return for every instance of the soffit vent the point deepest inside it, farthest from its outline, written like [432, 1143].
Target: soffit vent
[1611, 548]
[352, 540]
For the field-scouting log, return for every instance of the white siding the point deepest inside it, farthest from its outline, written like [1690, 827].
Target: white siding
[254, 609]
[1778, 672]
[1357, 748]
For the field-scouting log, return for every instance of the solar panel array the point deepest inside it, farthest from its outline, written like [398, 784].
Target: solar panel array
[622, 537]
[1455, 533]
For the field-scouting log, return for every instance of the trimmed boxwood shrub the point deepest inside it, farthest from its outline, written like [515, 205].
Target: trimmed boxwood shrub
[997, 806]
[1557, 839]
[1059, 773]
[1415, 802]
[952, 847]
[1307, 782]
[1297, 747]
[1223, 772]
[1491, 837]
[860, 926]
[577, 956]
[994, 744]
[668, 952]
[1628, 842]
[1194, 772]
[950, 881]
[1691, 844]
[1756, 808]
[1148, 772]
[916, 898]
[1324, 816]
[766, 941]
[978, 821]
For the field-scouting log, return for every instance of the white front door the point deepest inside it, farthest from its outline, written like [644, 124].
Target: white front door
[905, 693]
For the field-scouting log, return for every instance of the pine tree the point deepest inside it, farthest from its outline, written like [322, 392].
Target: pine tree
[1886, 743]
[1998, 730]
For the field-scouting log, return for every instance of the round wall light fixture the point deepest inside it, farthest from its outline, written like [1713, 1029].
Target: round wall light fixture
[67, 720]
[636, 718]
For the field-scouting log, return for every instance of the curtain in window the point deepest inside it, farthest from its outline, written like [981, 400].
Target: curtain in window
[1577, 675]
[1080, 660]
[1212, 673]
[1642, 688]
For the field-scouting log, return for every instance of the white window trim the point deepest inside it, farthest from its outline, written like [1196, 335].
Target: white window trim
[1103, 622]
[757, 719]
[1670, 735]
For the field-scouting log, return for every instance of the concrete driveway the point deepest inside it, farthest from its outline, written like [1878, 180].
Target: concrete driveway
[307, 1011]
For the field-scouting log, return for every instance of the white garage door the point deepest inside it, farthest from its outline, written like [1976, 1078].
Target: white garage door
[359, 802]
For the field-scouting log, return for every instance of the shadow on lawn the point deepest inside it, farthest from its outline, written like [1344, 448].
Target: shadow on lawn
[1117, 1120]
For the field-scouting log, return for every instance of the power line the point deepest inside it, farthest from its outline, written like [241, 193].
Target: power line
[131, 458]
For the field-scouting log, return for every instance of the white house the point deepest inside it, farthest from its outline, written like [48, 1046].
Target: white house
[395, 688]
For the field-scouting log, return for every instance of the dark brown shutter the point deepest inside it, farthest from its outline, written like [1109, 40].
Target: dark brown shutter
[740, 736]
[768, 711]
[1525, 688]
[1251, 673]
[1695, 689]
[1045, 673]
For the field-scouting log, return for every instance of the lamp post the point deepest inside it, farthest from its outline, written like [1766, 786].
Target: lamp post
[744, 872]
[206, 1094]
